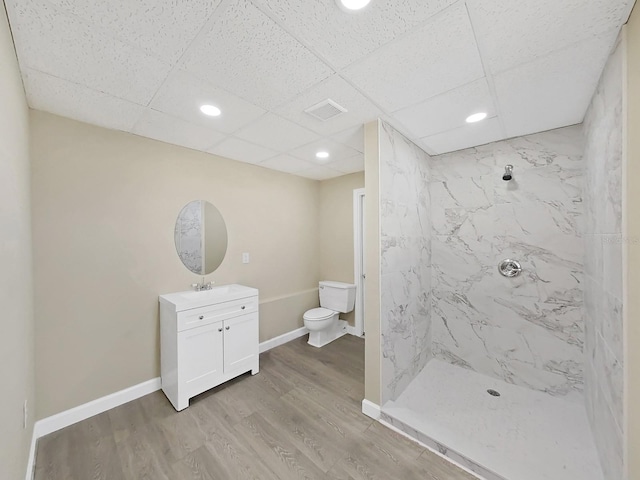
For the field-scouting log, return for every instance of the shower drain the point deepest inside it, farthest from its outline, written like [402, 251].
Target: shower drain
[493, 392]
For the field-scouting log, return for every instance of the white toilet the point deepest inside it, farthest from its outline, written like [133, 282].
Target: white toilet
[323, 323]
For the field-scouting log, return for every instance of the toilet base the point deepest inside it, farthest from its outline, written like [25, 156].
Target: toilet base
[323, 337]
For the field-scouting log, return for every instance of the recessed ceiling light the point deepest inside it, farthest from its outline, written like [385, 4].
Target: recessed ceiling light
[352, 5]
[476, 117]
[322, 155]
[210, 110]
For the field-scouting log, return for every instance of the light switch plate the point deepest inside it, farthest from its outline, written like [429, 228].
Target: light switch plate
[245, 258]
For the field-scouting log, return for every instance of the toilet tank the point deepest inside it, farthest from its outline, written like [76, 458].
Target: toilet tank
[337, 296]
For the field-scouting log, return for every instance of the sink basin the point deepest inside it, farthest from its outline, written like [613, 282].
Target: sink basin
[214, 292]
[180, 301]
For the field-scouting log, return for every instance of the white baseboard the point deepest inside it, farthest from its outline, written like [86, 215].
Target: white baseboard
[343, 328]
[370, 409]
[31, 464]
[282, 339]
[293, 334]
[352, 331]
[82, 412]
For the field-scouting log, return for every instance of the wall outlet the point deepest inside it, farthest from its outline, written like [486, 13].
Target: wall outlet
[25, 414]
[245, 258]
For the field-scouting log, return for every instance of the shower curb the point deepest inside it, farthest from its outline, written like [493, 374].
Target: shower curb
[465, 462]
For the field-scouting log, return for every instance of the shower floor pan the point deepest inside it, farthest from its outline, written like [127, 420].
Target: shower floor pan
[520, 435]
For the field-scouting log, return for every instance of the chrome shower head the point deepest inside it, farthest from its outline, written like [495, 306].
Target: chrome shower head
[508, 173]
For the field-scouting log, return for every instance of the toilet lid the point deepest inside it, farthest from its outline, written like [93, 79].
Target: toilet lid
[318, 314]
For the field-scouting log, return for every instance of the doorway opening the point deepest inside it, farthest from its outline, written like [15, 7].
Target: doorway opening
[359, 260]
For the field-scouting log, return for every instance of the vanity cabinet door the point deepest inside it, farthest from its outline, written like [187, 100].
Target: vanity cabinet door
[241, 343]
[200, 361]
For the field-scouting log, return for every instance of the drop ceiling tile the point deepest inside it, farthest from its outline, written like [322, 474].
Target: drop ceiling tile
[182, 94]
[249, 55]
[353, 137]
[447, 111]
[337, 151]
[65, 46]
[84, 57]
[438, 57]
[242, 150]
[55, 95]
[274, 132]
[286, 163]
[162, 29]
[320, 173]
[343, 38]
[359, 109]
[349, 165]
[512, 33]
[471, 135]
[166, 128]
[553, 91]
[402, 129]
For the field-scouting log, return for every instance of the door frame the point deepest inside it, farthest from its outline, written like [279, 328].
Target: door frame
[358, 259]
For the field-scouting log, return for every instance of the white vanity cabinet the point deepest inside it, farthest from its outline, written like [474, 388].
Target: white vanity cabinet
[207, 338]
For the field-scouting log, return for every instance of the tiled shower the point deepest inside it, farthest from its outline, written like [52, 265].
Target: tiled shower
[550, 340]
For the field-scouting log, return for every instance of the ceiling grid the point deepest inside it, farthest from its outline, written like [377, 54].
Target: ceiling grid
[146, 67]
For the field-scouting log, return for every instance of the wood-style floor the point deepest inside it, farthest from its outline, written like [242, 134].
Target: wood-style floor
[299, 418]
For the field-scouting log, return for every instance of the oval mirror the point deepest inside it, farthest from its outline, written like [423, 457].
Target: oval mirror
[201, 237]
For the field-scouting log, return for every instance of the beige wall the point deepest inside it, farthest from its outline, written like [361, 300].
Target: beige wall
[632, 360]
[16, 323]
[336, 230]
[104, 208]
[372, 260]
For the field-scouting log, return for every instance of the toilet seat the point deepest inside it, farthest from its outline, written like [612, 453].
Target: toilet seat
[317, 314]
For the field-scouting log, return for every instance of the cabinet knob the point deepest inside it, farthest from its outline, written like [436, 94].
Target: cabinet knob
[243, 307]
[227, 328]
[220, 329]
[201, 317]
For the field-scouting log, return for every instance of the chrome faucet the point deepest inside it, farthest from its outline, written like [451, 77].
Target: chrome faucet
[198, 287]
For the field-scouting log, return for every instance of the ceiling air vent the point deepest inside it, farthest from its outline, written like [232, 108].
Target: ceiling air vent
[325, 110]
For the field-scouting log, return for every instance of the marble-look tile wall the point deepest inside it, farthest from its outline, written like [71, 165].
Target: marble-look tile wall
[528, 330]
[405, 309]
[604, 244]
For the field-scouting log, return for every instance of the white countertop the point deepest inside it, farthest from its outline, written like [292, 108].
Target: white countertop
[192, 299]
